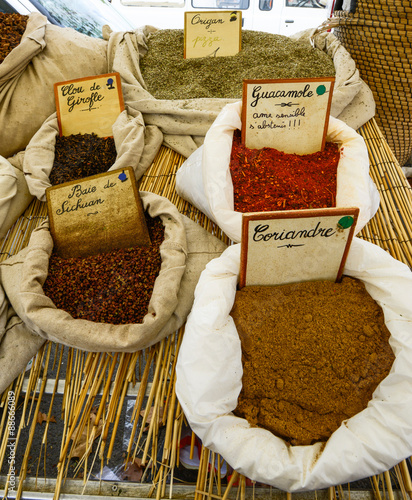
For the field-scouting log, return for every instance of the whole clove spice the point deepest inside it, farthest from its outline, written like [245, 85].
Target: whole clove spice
[12, 27]
[81, 155]
[113, 287]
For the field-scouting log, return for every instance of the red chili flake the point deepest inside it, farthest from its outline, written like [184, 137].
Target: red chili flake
[268, 180]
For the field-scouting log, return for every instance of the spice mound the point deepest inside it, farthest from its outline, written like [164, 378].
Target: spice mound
[263, 56]
[81, 155]
[113, 287]
[266, 179]
[12, 27]
[312, 354]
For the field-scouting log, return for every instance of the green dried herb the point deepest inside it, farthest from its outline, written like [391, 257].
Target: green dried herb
[168, 75]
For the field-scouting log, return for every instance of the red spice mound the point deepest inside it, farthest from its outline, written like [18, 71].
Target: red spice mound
[268, 180]
[312, 354]
[113, 287]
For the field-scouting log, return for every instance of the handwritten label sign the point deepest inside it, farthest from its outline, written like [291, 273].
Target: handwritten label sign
[212, 34]
[89, 105]
[288, 115]
[295, 245]
[97, 214]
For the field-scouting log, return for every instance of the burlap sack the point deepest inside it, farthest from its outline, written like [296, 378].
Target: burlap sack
[14, 193]
[17, 343]
[186, 250]
[136, 146]
[352, 101]
[46, 54]
[184, 122]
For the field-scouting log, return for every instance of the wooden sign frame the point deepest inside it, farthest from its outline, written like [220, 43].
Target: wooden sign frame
[265, 262]
[81, 98]
[212, 39]
[275, 114]
[97, 214]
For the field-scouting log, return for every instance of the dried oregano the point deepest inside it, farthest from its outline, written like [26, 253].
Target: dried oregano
[264, 55]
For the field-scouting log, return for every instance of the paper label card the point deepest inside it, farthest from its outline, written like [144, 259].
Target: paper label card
[295, 245]
[288, 115]
[89, 105]
[97, 214]
[212, 34]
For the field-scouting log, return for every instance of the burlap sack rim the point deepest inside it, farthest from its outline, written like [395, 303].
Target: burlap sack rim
[62, 323]
[40, 151]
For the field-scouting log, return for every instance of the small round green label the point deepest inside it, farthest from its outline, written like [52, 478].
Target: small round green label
[345, 222]
[321, 89]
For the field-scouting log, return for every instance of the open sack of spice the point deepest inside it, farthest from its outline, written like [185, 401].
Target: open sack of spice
[45, 54]
[124, 300]
[208, 181]
[14, 193]
[342, 386]
[52, 159]
[185, 104]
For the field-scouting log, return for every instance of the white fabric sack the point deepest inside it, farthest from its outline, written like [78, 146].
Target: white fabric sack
[204, 178]
[14, 193]
[353, 101]
[47, 54]
[136, 146]
[209, 378]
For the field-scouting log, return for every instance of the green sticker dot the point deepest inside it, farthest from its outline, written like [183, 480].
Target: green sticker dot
[321, 89]
[345, 222]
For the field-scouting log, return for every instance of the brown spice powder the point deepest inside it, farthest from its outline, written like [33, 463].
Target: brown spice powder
[312, 353]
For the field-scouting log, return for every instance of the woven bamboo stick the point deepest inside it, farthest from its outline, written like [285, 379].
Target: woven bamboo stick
[23, 469]
[406, 478]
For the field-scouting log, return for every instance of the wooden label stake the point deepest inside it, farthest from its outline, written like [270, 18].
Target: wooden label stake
[212, 34]
[89, 105]
[295, 245]
[288, 115]
[97, 214]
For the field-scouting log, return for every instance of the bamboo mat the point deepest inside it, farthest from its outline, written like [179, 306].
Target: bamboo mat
[84, 394]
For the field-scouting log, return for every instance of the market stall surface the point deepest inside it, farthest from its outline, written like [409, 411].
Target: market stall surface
[109, 424]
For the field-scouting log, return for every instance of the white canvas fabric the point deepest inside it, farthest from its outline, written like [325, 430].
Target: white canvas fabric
[14, 193]
[209, 380]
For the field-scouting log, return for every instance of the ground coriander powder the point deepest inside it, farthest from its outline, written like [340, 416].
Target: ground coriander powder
[312, 353]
